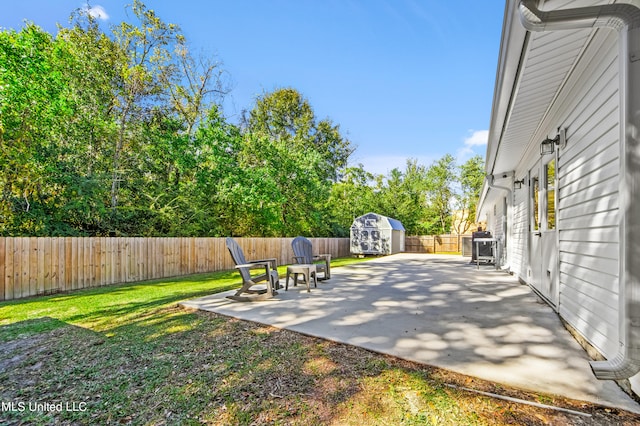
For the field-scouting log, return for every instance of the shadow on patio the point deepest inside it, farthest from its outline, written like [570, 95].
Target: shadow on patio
[441, 311]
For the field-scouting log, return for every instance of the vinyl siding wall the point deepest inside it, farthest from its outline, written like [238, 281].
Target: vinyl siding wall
[587, 191]
[496, 221]
[588, 199]
[519, 250]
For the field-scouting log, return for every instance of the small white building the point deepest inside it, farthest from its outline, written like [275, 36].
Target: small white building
[563, 168]
[376, 234]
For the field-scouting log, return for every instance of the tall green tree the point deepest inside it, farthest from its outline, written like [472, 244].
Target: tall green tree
[285, 115]
[90, 62]
[402, 194]
[299, 157]
[289, 185]
[350, 197]
[470, 179]
[142, 84]
[37, 117]
[441, 177]
[97, 130]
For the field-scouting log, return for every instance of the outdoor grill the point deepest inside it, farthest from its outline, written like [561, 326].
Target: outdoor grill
[481, 250]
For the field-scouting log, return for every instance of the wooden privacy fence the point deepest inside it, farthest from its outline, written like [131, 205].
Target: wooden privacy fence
[37, 265]
[433, 243]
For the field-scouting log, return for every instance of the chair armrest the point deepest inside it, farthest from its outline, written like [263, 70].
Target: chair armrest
[253, 265]
[323, 256]
[272, 261]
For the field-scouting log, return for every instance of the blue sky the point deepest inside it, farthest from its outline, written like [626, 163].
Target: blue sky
[402, 78]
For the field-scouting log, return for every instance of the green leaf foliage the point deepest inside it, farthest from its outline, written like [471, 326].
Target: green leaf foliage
[122, 133]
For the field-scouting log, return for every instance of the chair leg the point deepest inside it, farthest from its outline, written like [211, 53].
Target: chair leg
[307, 279]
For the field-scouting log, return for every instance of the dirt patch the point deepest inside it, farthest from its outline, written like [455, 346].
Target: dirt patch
[17, 352]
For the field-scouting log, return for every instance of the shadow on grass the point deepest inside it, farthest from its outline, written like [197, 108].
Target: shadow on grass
[105, 308]
[133, 357]
[198, 368]
[205, 368]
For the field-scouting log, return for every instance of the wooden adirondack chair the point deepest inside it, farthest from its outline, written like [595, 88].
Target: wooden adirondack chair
[303, 253]
[269, 273]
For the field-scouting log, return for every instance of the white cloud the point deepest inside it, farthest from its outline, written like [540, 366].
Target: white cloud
[98, 12]
[478, 137]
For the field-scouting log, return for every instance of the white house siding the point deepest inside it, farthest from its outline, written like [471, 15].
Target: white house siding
[519, 250]
[588, 200]
[499, 223]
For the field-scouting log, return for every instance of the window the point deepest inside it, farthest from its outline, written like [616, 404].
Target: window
[535, 189]
[550, 172]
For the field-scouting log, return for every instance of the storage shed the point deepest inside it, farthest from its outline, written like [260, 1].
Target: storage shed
[376, 234]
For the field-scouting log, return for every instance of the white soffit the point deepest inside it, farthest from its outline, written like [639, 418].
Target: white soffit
[546, 64]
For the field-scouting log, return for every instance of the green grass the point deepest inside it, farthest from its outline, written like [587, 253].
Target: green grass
[128, 354]
[104, 308]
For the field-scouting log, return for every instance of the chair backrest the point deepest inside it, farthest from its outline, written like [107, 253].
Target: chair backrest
[238, 257]
[302, 247]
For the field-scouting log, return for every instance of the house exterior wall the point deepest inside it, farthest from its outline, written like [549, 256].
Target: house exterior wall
[565, 75]
[518, 253]
[588, 200]
[587, 197]
[499, 224]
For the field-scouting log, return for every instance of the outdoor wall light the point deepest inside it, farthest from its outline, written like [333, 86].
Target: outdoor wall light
[547, 146]
[518, 184]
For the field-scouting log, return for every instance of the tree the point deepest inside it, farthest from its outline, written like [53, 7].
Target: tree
[297, 158]
[470, 178]
[290, 187]
[285, 115]
[195, 86]
[142, 81]
[90, 62]
[350, 197]
[440, 179]
[403, 196]
[35, 111]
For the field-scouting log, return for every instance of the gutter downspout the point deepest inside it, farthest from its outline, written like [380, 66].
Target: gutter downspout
[624, 18]
[507, 232]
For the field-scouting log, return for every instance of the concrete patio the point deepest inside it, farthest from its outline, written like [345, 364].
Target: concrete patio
[442, 311]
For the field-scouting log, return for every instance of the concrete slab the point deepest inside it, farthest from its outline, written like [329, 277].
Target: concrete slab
[442, 311]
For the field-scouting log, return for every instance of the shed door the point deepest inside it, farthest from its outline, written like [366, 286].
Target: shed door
[543, 254]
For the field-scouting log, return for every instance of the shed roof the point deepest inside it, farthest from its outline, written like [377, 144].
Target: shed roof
[393, 224]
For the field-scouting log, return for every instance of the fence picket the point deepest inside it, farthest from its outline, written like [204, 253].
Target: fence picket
[9, 285]
[3, 276]
[433, 244]
[36, 265]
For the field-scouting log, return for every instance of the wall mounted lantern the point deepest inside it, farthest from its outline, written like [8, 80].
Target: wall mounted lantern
[547, 146]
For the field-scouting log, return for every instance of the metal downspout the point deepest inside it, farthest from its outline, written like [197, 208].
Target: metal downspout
[492, 185]
[624, 18]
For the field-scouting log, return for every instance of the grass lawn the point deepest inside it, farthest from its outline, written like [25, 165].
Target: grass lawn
[129, 355]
